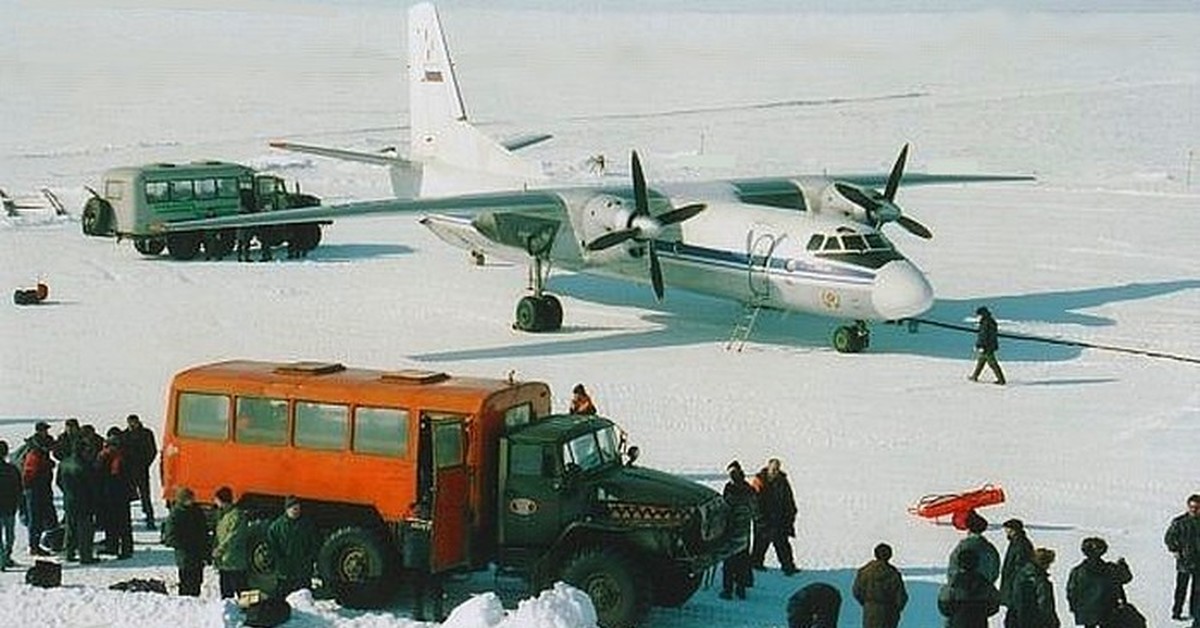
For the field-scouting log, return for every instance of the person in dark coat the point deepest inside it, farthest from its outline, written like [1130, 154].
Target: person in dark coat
[879, 587]
[815, 605]
[1032, 603]
[736, 572]
[116, 487]
[11, 495]
[187, 532]
[1020, 550]
[968, 599]
[141, 450]
[37, 475]
[1183, 540]
[77, 480]
[987, 342]
[776, 521]
[581, 402]
[293, 542]
[231, 552]
[989, 557]
[1094, 588]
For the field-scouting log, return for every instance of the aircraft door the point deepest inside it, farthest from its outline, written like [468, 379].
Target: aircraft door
[760, 248]
[449, 490]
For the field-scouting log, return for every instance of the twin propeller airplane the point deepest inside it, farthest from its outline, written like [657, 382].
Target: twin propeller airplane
[805, 243]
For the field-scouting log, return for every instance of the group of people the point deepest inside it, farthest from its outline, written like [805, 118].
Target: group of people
[292, 543]
[98, 476]
[979, 583]
[763, 514]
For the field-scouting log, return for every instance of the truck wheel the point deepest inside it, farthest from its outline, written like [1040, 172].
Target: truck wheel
[97, 217]
[150, 247]
[305, 237]
[183, 246]
[261, 574]
[614, 584]
[354, 562]
[673, 588]
[221, 241]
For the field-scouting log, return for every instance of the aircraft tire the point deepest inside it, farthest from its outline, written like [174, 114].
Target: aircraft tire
[527, 314]
[847, 340]
[552, 313]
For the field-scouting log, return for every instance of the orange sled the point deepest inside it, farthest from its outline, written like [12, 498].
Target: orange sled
[957, 505]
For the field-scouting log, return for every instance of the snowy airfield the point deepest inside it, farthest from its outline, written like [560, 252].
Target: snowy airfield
[1104, 108]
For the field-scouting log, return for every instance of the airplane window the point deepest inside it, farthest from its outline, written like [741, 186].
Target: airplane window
[876, 241]
[832, 244]
[854, 243]
[815, 242]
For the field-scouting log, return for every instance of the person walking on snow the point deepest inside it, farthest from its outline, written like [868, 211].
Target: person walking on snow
[987, 342]
[1019, 551]
[776, 521]
[1183, 540]
[736, 573]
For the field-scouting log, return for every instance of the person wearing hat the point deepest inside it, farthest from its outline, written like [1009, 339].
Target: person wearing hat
[293, 543]
[581, 402]
[37, 474]
[231, 550]
[1094, 588]
[736, 574]
[879, 588]
[187, 532]
[1020, 550]
[987, 342]
[988, 564]
[967, 599]
[815, 605]
[1032, 604]
[141, 450]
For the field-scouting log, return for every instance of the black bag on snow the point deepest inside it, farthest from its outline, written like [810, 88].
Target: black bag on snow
[45, 574]
[135, 585]
[268, 612]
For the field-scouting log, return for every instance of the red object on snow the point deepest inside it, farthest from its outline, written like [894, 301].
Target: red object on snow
[957, 505]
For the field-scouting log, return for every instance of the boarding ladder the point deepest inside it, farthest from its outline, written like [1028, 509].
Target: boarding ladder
[744, 326]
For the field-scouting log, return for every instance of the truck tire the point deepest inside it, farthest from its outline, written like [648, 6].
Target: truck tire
[183, 246]
[617, 588]
[673, 587]
[355, 563]
[150, 247]
[261, 571]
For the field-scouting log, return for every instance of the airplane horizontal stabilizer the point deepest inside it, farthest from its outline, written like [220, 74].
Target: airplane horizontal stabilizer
[525, 141]
[376, 159]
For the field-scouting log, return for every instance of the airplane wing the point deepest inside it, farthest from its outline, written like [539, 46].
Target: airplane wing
[918, 178]
[523, 202]
[376, 159]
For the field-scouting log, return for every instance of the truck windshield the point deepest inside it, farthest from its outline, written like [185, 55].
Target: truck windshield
[592, 450]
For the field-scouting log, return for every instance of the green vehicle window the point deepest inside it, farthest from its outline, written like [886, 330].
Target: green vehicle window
[321, 425]
[157, 191]
[381, 431]
[181, 191]
[202, 416]
[206, 189]
[227, 188]
[262, 421]
[448, 445]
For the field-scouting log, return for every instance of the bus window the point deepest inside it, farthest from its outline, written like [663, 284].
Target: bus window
[181, 190]
[382, 431]
[448, 444]
[261, 421]
[156, 191]
[321, 425]
[227, 188]
[518, 415]
[202, 416]
[114, 190]
[206, 189]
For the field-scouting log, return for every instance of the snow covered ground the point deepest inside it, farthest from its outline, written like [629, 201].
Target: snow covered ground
[1103, 107]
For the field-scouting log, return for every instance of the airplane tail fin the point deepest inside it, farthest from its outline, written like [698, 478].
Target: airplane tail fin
[455, 156]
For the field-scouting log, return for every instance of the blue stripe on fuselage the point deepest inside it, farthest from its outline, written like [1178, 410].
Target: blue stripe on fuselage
[805, 268]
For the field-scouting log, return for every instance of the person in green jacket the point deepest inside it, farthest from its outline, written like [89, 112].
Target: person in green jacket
[293, 542]
[231, 554]
[1032, 603]
[1020, 550]
[187, 531]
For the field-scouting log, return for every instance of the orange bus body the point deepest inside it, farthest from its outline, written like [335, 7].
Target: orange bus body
[341, 474]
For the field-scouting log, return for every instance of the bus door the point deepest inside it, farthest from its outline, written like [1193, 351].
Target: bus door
[447, 486]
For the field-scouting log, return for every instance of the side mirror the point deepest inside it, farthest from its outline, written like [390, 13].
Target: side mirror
[632, 453]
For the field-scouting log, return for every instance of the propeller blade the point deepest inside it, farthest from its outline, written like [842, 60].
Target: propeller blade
[656, 279]
[857, 196]
[914, 227]
[612, 238]
[642, 207]
[680, 214]
[897, 173]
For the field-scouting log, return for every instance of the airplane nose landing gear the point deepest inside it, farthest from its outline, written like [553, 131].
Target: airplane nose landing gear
[539, 313]
[852, 338]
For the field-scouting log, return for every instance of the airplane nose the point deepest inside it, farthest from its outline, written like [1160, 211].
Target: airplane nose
[901, 291]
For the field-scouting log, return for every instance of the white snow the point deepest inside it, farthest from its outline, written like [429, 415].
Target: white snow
[1101, 106]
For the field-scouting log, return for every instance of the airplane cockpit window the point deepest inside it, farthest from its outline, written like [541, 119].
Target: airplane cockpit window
[877, 241]
[833, 244]
[815, 242]
[854, 243]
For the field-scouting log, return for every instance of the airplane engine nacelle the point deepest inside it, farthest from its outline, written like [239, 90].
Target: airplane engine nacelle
[603, 214]
[834, 204]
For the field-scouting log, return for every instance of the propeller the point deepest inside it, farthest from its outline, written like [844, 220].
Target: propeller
[881, 208]
[643, 227]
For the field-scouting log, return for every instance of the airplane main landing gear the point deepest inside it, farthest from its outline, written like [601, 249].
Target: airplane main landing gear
[539, 311]
[852, 338]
